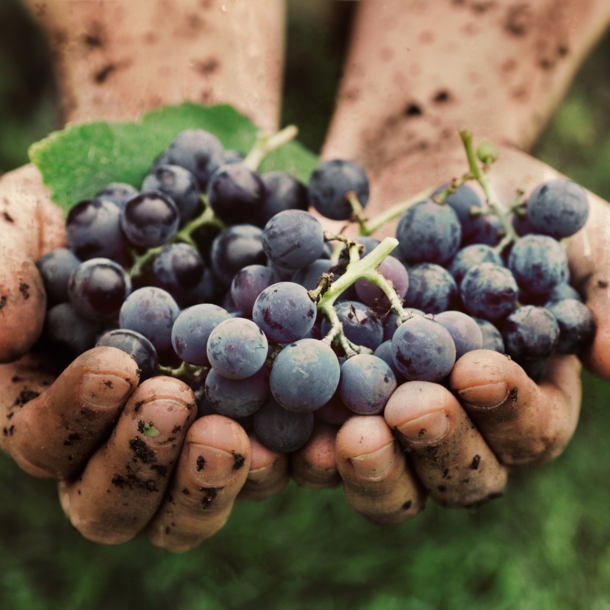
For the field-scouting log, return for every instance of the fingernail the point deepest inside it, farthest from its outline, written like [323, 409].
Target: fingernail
[485, 396]
[105, 391]
[161, 421]
[427, 428]
[376, 464]
[211, 465]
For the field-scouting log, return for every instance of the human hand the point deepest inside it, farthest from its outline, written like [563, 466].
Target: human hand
[463, 441]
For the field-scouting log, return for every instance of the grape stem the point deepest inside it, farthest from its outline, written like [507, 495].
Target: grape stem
[268, 142]
[510, 235]
[357, 211]
[325, 297]
[184, 371]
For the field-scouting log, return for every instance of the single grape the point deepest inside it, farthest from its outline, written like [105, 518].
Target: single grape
[293, 239]
[305, 375]
[93, 230]
[149, 219]
[248, 284]
[522, 225]
[281, 430]
[558, 208]
[384, 351]
[391, 269]
[576, 325]
[117, 192]
[390, 326]
[538, 263]
[237, 348]
[530, 333]
[489, 231]
[432, 288]
[97, 289]
[464, 331]
[236, 194]
[492, 338]
[563, 291]
[137, 346]
[366, 385]
[423, 350]
[360, 325]
[309, 276]
[472, 255]
[198, 151]
[151, 312]
[462, 202]
[329, 184]
[192, 329]
[489, 291]
[282, 192]
[237, 397]
[55, 268]
[235, 248]
[178, 184]
[429, 232]
[334, 412]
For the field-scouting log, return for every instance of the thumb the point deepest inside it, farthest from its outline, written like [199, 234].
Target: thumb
[30, 226]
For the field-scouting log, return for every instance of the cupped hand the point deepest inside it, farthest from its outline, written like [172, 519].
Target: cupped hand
[458, 445]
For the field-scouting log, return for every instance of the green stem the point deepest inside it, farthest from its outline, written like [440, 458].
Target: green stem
[451, 188]
[267, 143]
[490, 194]
[184, 371]
[396, 210]
[358, 212]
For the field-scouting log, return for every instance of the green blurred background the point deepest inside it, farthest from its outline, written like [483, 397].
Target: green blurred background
[546, 545]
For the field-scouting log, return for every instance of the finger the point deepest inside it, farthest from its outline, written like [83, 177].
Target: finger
[376, 481]
[522, 422]
[53, 435]
[446, 451]
[268, 472]
[124, 482]
[30, 226]
[213, 467]
[314, 465]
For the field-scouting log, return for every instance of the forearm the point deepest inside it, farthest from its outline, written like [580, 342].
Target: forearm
[417, 72]
[115, 60]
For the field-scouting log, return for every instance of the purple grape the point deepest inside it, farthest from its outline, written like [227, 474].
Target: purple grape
[248, 284]
[282, 192]
[576, 325]
[149, 219]
[137, 346]
[281, 430]
[530, 333]
[55, 268]
[391, 269]
[464, 331]
[237, 397]
[432, 288]
[179, 185]
[492, 338]
[178, 269]
[489, 291]
[472, 255]
[360, 325]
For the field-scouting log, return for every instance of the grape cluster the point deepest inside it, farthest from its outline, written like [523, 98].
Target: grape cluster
[219, 275]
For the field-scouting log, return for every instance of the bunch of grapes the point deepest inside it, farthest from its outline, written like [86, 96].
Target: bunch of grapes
[218, 275]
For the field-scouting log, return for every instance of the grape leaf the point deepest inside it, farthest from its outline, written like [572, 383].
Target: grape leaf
[79, 161]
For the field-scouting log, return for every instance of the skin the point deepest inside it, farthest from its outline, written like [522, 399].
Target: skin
[494, 412]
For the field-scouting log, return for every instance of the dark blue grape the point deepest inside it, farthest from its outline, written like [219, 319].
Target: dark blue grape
[563, 291]
[538, 263]
[198, 151]
[137, 346]
[178, 269]
[462, 202]
[366, 385]
[429, 232]
[432, 288]
[237, 397]
[178, 184]
[192, 329]
[472, 255]
[204, 292]
[236, 194]
[423, 350]
[334, 412]
[293, 239]
[282, 192]
[280, 430]
[149, 219]
[285, 312]
[489, 291]
[558, 208]
[530, 333]
[522, 225]
[55, 269]
[93, 230]
[248, 284]
[235, 248]
[117, 192]
[384, 351]
[237, 348]
[492, 338]
[97, 289]
[329, 185]
[391, 269]
[489, 231]
[390, 326]
[305, 375]
[464, 331]
[576, 325]
[360, 325]
[309, 276]
[151, 312]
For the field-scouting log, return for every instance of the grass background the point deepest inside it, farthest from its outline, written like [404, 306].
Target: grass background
[546, 545]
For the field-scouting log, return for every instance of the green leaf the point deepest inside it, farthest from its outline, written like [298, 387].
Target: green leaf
[79, 161]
